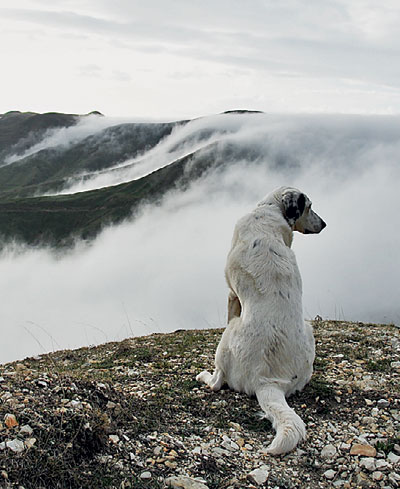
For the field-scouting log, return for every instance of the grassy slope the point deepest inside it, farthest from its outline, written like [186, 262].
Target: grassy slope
[19, 130]
[48, 169]
[60, 219]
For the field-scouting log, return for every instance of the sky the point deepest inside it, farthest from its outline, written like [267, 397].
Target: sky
[170, 59]
[165, 269]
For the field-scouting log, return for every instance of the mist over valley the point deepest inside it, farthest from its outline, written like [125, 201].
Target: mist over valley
[112, 228]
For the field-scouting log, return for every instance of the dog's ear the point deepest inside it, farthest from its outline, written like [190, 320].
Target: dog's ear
[294, 204]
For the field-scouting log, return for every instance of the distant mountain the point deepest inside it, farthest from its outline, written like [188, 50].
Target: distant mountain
[30, 168]
[49, 169]
[20, 130]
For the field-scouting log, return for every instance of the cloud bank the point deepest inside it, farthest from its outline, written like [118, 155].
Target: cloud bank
[164, 270]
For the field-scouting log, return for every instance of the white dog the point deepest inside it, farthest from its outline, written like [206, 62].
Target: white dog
[267, 349]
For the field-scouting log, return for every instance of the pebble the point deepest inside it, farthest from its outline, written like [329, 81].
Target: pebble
[228, 444]
[219, 452]
[10, 420]
[26, 430]
[329, 451]
[114, 438]
[259, 476]
[184, 483]
[363, 450]
[394, 479]
[377, 476]
[368, 463]
[74, 404]
[383, 403]
[393, 458]
[145, 475]
[17, 446]
[339, 483]
[329, 474]
[382, 465]
[30, 442]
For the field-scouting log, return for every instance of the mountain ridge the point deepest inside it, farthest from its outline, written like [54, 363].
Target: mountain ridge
[28, 216]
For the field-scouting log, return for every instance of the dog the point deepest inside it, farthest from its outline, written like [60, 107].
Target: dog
[267, 349]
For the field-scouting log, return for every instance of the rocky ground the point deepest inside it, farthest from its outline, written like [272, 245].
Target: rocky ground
[131, 414]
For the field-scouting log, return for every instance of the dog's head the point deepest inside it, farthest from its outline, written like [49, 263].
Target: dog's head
[296, 208]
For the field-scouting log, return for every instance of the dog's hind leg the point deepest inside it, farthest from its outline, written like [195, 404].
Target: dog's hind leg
[234, 306]
[214, 381]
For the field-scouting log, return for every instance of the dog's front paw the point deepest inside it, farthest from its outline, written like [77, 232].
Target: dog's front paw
[204, 376]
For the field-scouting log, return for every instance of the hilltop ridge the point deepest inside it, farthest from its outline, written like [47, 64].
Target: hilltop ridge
[130, 414]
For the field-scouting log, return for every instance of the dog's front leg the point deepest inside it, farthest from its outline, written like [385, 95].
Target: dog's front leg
[234, 306]
[214, 381]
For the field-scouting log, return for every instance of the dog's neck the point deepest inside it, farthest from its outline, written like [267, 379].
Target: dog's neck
[279, 223]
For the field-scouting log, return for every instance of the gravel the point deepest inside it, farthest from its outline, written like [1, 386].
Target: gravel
[131, 414]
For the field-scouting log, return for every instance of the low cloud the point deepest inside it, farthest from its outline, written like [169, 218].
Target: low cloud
[66, 136]
[164, 271]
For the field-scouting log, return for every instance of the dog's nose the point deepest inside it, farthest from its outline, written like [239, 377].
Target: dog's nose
[323, 224]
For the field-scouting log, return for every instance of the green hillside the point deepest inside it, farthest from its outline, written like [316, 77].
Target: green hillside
[58, 220]
[20, 130]
[48, 169]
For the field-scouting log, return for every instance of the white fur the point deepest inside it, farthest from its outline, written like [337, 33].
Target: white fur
[267, 349]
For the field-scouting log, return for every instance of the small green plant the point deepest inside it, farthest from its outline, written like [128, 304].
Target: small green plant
[382, 365]
[387, 446]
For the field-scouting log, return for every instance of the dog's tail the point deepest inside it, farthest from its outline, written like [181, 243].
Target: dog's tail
[289, 427]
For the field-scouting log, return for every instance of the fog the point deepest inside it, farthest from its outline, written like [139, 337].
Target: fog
[66, 136]
[165, 270]
[184, 139]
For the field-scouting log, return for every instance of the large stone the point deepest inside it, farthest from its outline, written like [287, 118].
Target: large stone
[363, 450]
[259, 476]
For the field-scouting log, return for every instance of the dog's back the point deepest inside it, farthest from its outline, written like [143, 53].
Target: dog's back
[270, 338]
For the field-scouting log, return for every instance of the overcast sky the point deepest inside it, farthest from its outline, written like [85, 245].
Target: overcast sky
[176, 58]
